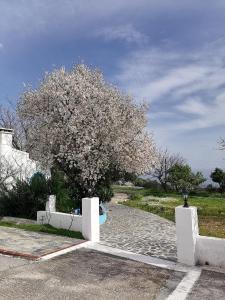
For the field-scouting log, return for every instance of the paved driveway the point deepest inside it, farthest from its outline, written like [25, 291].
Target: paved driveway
[138, 231]
[87, 274]
[32, 245]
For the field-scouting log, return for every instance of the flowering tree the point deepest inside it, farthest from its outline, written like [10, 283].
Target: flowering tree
[85, 127]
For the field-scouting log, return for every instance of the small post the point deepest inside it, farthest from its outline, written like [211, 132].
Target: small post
[187, 233]
[90, 219]
[50, 204]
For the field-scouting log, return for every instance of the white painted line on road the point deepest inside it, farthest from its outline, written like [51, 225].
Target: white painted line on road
[64, 251]
[185, 286]
[161, 263]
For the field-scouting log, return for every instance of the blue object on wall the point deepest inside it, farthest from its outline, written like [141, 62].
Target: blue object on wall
[102, 218]
[77, 211]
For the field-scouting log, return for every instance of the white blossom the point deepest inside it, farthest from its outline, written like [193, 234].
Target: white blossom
[74, 118]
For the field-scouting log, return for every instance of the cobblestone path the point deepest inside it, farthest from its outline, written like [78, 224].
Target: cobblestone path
[140, 232]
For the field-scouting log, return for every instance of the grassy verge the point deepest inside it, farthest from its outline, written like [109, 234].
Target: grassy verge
[44, 228]
[211, 210]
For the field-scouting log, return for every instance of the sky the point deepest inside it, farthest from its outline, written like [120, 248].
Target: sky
[170, 53]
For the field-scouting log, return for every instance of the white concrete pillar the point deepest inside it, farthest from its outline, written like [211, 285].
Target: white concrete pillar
[50, 204]
[187, 233]
[90, 219]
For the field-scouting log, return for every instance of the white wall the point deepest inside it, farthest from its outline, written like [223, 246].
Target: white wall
[192, 248]
[18, 161]
[60, 220]
[210, 250]
[88, 223]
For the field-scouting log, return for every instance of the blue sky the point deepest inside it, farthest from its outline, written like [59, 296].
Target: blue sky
[169, 52]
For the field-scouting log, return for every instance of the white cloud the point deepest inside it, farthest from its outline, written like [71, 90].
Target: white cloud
[193, 106]
[187, 95]
[125, 32]
[190, 85]
[207, 114]
[26, 18]
[1, 46]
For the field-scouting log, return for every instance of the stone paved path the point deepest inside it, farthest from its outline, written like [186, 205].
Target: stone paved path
[139, 231]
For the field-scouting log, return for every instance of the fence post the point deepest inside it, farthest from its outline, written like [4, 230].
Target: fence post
[50, 204]
[187, 233]
[90, 219]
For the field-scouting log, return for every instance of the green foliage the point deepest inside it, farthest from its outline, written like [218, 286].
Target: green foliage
[39, 185]
[69, 192]
[44, 228]
[181, 177]
[218, 176]
[25, 199]
[152, 184]
[105, 193]
[64, 196]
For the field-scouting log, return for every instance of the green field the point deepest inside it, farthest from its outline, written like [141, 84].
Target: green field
[211, 208]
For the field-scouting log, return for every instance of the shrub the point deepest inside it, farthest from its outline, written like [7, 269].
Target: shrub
[105, 193]
[136, 197]
[152, 184]
[25, 198]
[59, 187]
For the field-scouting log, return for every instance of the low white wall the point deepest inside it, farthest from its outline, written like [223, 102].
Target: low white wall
[88, 223]
[60, 220]
[192, 248]
[210, 251]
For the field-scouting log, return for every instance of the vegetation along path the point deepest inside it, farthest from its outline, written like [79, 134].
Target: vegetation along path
[140, 232]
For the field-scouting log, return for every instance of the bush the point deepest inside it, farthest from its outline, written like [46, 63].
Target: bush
[139, 182]
[64, 196]
[136, 197]
[152, 184]
[105, 193]
[25, 198]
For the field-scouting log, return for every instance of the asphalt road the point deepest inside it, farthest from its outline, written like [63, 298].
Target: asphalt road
[86, 274]
[210, 286]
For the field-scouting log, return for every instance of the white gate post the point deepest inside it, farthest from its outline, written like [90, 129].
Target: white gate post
[50, 204]
[187, 233]
[90, 219]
